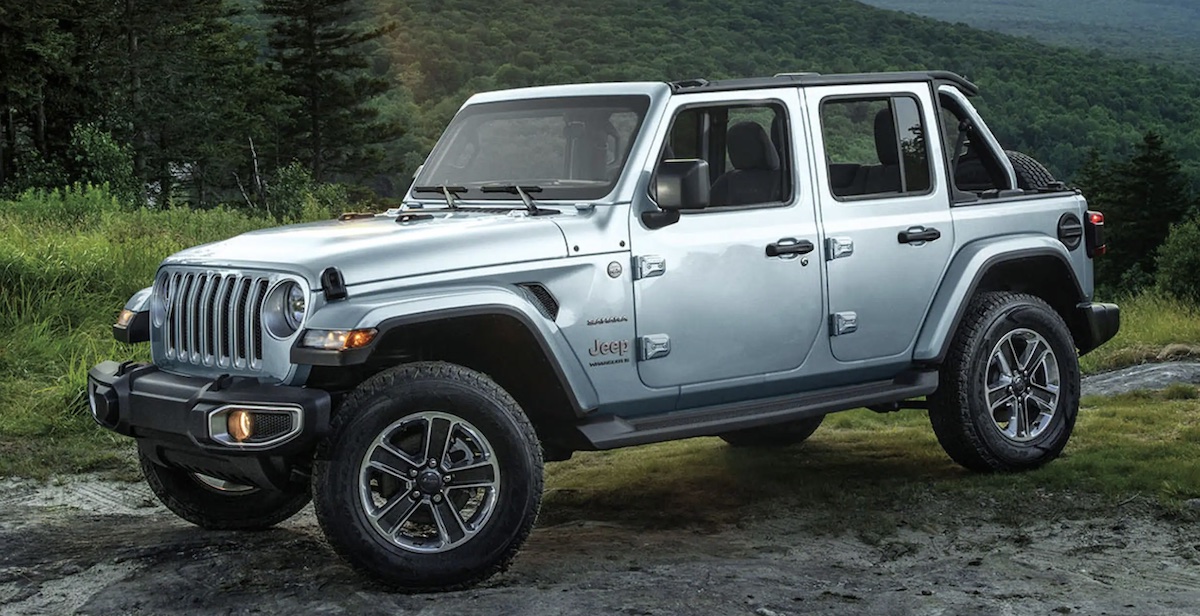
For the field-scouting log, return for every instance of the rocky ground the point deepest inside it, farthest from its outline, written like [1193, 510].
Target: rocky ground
[86, 545]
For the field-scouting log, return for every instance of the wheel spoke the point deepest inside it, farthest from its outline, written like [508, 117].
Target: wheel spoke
[481, 475]
[1001, 402]
[1020, 419]
[449, 524]
[1009, 353]
[396, 512]
[392, 461]
[437, 438]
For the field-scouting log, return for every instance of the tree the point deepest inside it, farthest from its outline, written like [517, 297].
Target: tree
[1141, 198]
[317, 48]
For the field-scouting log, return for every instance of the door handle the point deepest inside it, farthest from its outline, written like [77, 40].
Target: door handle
[789, 246]
[919, 234]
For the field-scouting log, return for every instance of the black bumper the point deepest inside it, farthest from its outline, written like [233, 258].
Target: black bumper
[1099, 323]
[169, 415]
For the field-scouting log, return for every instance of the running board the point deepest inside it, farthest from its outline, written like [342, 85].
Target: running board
[611, 432]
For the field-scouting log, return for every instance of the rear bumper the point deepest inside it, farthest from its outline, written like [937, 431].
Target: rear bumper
[172, 418]
[1100, 322]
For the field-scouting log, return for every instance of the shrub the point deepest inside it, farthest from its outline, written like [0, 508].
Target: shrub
[1179, 262]
[101, 159]
[295, 196]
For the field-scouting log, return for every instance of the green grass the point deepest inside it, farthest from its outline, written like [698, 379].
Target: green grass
[1153, 328]
[70, 259]
[865, 470]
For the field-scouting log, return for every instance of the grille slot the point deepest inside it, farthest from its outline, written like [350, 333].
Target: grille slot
[213, 319]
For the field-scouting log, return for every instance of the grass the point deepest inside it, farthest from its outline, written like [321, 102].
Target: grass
[864, 470]
[69, 260]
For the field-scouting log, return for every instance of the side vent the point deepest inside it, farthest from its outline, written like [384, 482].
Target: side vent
[542, 298]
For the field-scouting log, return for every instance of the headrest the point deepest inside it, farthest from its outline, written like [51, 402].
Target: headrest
[750, 147]
[886, 138]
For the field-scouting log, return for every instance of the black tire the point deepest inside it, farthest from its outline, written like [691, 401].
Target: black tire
[959, 410]
[214, 509]
[1031, 174]
[774, 436]
[384, 405]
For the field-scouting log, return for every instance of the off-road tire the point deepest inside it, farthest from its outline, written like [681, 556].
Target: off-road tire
[206, 507]
[958, 410]
[379, 403]
[774, 436]
[1031, 174]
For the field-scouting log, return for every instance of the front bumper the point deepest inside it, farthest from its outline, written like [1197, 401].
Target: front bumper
[1098, 324]
[171, 416]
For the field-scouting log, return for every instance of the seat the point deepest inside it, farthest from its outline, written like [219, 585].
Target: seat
[884, 177]
[755, 177]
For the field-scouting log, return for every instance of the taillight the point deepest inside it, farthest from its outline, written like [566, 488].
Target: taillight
[1096, 245]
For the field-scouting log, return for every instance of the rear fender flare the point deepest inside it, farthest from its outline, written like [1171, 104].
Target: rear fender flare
[966, 271]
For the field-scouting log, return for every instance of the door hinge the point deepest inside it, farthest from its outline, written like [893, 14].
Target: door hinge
[654, 346]
[842, 323]
[649, 266]
[838, 247]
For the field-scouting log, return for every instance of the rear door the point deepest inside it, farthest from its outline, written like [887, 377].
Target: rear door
[885, 208]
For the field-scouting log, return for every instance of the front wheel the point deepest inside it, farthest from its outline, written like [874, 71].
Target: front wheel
[216, 504]
[1009, 388]
[432, 480]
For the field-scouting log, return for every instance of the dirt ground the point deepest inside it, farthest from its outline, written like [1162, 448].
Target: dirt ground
[89, 546]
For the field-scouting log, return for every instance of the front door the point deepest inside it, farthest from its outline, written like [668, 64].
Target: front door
[886, 213]
[713, 300]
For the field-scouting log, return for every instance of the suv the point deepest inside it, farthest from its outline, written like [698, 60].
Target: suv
[586, 267]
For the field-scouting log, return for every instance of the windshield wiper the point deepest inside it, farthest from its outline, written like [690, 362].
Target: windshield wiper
[523, 192]
[449, 192]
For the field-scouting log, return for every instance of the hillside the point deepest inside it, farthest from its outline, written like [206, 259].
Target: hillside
[1053, 102]
[1156, 30]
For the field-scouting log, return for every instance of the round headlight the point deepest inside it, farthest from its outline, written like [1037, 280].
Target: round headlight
[293, 305]
[283, 312]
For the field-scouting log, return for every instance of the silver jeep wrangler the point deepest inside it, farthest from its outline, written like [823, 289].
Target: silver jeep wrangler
[594, 266]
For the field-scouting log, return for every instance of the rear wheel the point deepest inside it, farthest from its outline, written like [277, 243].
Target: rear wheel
[774, 436]
[433, 478]
[217, 504]
[1009, 388]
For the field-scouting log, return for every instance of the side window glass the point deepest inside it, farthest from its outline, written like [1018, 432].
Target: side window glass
[745, 147]
[875, 146]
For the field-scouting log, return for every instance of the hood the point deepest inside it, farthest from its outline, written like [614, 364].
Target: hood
[380, 248]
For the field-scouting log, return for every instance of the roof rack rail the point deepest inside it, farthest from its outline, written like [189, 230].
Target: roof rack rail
[798, 74]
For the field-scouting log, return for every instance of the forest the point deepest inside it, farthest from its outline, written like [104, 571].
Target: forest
[267, 106]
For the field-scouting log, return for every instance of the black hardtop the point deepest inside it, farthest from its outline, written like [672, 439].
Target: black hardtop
[792, 80]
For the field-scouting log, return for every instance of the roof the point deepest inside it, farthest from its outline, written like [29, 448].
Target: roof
[652, 89]
[792, 80]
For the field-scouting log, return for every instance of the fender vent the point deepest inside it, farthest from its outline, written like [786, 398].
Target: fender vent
[542, 298]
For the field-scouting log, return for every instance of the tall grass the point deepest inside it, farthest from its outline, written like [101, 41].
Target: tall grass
[1153, 328]
[69, 259]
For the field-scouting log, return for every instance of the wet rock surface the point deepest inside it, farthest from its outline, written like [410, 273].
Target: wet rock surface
[87, 546]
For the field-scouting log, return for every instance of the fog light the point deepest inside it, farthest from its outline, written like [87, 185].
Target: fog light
[125, 318]
[240, 425]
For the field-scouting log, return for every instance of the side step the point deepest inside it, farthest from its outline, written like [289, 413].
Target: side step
[611, 432]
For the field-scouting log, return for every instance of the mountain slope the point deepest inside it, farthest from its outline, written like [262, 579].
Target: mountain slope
[1156, 30]
[1052, 102]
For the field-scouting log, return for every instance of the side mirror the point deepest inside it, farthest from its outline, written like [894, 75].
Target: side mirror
[682, 184]
[679, 185]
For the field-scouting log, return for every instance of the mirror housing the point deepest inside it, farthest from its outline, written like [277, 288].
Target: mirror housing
[678, 185]
[682, 184]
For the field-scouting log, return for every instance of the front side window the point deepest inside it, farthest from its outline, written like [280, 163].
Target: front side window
[570, 148]
[875, 147]
[745, 146]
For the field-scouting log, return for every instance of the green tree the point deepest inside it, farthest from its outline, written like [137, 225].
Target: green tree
[318, 49]
[1141, 198]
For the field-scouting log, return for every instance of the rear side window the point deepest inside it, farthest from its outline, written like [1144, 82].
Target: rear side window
[875, 147]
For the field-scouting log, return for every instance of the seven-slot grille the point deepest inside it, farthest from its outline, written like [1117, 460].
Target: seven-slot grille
[213, 318]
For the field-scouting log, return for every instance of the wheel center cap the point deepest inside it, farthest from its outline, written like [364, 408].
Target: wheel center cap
[429, 482]
[1019, 385]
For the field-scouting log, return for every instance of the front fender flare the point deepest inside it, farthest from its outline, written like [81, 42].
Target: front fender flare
[391, 311]
[966, 271]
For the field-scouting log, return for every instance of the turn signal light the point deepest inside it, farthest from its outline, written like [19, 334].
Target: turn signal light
[338, 340]
[125, 318]
[240, 425]
[1096, 218]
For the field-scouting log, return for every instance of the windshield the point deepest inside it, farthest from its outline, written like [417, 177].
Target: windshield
[571, 148]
